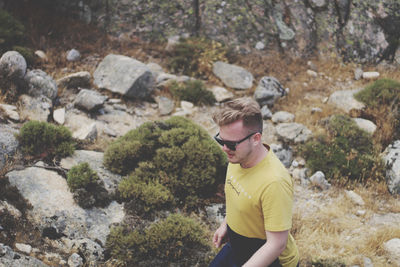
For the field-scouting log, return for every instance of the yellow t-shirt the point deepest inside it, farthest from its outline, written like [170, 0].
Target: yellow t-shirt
[260, 199]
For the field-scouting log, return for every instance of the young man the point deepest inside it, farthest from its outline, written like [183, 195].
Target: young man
[258, 191]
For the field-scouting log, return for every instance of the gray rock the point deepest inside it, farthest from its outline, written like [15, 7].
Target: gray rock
[345, 100]
[10, 258]
[354, 197]
[260, 46]
[318, 180]
[59, 116]
[91, 251]
[391, 156]
[388, 219]
[73, 55]
[366, 125]
[39, 83]
[312, 73]
[368, 262]
[25, 248]
[221, 94]
[86, 132]
[125, 76]
[316, 110]
[37, 108]
[392, 248]
[358, 72]
[89, 100]
[172, 42]
[155, 68]
[268, 91]
[10, 209]
[42, 55]
[62, 216]
[75, 260]
[369, 75]
[75, 80]
[10, 111]
[293, 132]
[285, 154]
[285, 33]
[282, 116]
[8, 144]
[95, 161]
[12, 65]
[233, 76]
[165, 105]
[266, 113]
[216, 213]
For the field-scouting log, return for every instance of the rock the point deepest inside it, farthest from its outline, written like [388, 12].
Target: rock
[355, 198]
[37, 109]
[73, 55]
[361, 212]
[8, 144]
[27, 249]
[299, 173]
[358, 72]
[233, 76]
[216, 213]
[125, 76]
[155, 68]
[318, 180]
[42, 55]
[392, 248]
[59, 116]
[391, 157]
[91, 251]
[368, 262]
[221, 94]
[75, 260]
[186, 105]
[95, 161]
[370, 75]
[10, 258]
[268, 91]
[10, 111]
[89, 100]
[10, 209]
[266, 113]
[285, 154]
[75, 80]
[62, 216]
[345, 100]
[172, 42]
[366, 125]
[312, 66]
[165, 105]
[312, 73]
[41, 84]
[293, 132]
[12, 65]
[260, 46]
[86, 132]
[387, 220]
[282, 116]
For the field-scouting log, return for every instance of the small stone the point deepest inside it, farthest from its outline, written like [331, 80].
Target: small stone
[318, 179]
[312, 73]
[10, 111]
[24, 248]
[360, 212]
[42, 55]
[260, 46]
[73, 55]
[75, 260]
[316, 110]
[370, 75]
[358, 73]
[355, 198]
[59, 116]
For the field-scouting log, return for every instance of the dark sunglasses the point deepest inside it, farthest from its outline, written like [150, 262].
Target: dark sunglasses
[231, 144]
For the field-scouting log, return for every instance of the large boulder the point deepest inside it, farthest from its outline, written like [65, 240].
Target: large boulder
[125, 76]
[269, 89]
[89, 100]
[12, 65]
[293, 132]
[392, 161]
[233, 76]
[39, 83]
[345, 100]
[32, 108]
[13, 259]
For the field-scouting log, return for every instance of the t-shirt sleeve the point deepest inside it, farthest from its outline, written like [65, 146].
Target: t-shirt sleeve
[277, 204]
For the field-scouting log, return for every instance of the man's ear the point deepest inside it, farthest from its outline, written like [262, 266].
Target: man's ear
[257, 138]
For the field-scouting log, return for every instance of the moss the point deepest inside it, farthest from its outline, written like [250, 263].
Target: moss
[45, 139]
[192, 91]
[176, 239]
[180, 159]
[345, 153]
[81, 176]
[11, 31]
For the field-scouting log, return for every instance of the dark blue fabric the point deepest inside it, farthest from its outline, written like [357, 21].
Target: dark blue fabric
[238, 250]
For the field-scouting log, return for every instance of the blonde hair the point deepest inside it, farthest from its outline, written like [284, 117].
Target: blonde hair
[245, 109]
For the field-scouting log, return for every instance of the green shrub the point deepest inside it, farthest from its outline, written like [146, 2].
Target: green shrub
[179, 157]
[176, 239]
[27, 53]
[381, 92]
[195, 56]
[347, 152]
[45, 139]
[11, 31]
[192, 91]
[81, 176]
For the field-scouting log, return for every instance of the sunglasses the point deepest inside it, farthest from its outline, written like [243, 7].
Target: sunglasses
[231, 144]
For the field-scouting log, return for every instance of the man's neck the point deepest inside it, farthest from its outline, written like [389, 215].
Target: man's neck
[257, 156]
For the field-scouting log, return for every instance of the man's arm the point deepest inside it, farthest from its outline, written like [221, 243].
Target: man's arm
[220, 233]
[265, 255]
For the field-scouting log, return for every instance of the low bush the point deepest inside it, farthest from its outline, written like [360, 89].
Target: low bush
[382, 99]
[195, 56]
[81, 176]
[345, 153]
[179, 157]
[45, 140]
[192, 91]
[177, 239]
